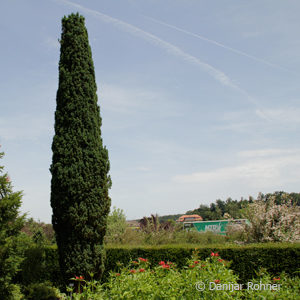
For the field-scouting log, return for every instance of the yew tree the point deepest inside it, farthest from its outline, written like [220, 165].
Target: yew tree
[80, 165]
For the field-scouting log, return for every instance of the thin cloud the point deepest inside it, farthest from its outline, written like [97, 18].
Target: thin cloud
[282, 116]
[257, 170]
[168, 47]
[268, 153]
[217, 44]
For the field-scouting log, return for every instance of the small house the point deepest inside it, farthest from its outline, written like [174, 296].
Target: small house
[189, 218]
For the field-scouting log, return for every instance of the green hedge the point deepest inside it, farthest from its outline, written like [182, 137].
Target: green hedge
[246, 260]
[41, 264]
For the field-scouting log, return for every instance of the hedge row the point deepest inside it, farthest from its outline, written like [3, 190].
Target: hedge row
[41, 263]
[246, 260]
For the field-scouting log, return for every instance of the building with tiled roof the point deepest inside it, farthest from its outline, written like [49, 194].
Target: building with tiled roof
[190, 218]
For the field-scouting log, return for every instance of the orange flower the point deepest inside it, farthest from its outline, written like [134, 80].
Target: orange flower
[276, 279]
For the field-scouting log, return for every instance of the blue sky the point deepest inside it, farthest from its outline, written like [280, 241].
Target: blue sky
[199, 99]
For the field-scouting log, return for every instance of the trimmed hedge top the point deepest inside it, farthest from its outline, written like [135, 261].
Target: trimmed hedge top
[41, 263]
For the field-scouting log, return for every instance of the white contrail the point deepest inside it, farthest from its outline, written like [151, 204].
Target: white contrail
[217, 44]
[170, 48]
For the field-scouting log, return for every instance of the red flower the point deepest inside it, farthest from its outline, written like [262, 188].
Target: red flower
[196, 262]
[143, 259]
[132, 271]
[161, 263]
[214, 254]
[135, 262]
[166, 266]
[217, 281]
[79, 278]
[192, 266]
[220, 260]
[118, 274]
[142, 270]
[276, 279]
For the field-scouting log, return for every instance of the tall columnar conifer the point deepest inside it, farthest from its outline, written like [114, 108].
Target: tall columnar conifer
[80, 164]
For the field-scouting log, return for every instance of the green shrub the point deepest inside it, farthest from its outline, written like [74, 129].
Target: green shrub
[116, 226]
[42, 291]
[40, 265]
[120, 235]
[198, 279]
[14, 292]
[289, 287]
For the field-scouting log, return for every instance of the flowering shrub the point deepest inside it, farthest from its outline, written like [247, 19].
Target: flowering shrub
[273, 222]
[165, 281]
[287, 288]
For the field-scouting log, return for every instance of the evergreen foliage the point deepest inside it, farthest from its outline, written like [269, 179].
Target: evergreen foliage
[11, 239]
[80, 164]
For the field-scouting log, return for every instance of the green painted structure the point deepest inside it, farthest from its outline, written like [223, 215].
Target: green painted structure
[216, 226]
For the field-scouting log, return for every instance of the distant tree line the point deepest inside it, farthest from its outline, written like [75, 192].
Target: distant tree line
[166, 218]
[233, 208]
[220, 209]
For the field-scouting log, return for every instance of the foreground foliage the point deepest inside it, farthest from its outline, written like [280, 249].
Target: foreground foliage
[199, 279]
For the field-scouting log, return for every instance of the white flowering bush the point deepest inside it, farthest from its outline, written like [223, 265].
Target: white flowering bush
[271, 221]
